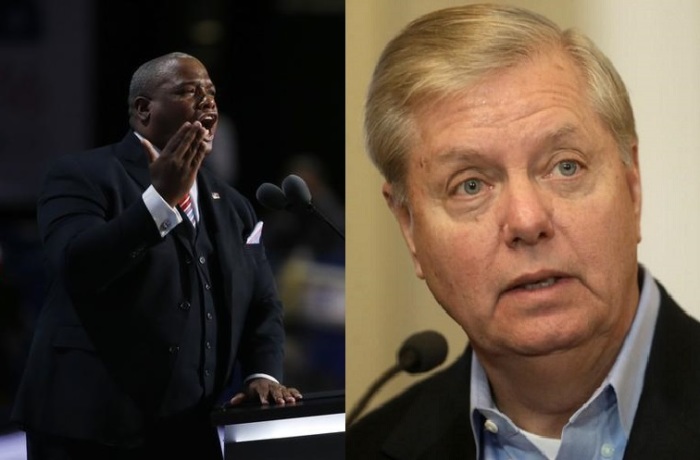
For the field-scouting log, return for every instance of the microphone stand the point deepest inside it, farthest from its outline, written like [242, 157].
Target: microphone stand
[362, 403]
[421, 352]
[317, 212]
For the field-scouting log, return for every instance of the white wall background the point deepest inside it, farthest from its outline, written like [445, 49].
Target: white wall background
[655, 47]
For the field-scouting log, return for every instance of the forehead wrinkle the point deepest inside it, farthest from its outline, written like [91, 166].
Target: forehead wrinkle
[559, 135]
[503, 102]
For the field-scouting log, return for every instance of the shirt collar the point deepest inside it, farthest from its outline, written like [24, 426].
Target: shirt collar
[627, 374]
[141, 138]
[626, 377]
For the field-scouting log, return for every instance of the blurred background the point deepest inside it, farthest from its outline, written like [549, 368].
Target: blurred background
[279, 70]
[654, 45]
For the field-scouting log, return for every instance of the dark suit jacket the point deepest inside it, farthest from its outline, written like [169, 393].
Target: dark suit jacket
[431, 420]
[104, 346]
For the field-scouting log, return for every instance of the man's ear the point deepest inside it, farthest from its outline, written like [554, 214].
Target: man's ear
[400, 208]
[634, 183]
[142, 112]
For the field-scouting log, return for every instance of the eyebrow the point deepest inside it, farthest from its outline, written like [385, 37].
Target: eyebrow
[462, 154]
[459, 154]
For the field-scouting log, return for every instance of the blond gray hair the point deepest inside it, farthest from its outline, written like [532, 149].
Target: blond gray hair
[443, 52]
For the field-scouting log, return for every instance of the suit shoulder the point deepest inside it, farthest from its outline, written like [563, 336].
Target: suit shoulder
[89, 159]
[431, 387]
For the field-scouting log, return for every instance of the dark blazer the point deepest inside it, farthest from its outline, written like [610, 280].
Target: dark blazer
[107, 337]
[431, 419]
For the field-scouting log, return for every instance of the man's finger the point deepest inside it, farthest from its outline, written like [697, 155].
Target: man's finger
[289, 395]
[200, 153]
[191, 144]
[276, 392]
[237, 399]
[180, 143]
[293, 395]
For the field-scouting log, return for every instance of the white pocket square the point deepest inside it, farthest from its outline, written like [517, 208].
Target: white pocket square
[255, 235]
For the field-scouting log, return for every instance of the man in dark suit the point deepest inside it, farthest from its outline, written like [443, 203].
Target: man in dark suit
[159, 283]
[510, 156]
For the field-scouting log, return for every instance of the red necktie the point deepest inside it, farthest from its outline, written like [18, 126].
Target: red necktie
[188, 209]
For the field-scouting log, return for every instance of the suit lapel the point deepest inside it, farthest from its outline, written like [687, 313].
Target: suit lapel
[223, 225]
[667, 422]
[134, 158]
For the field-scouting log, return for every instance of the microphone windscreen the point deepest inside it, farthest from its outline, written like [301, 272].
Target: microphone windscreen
[422, 352]
[271, 196]
[296, 190]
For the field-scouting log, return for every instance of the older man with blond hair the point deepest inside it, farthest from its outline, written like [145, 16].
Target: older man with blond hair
[510, 156]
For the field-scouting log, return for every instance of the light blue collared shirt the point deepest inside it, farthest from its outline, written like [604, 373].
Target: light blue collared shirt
[601, 427]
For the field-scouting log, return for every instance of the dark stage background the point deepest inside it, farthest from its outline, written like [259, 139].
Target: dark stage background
[279, 71]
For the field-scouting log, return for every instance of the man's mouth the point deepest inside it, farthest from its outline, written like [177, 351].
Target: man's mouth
[208, 121]
[538, 285]
[535, 281]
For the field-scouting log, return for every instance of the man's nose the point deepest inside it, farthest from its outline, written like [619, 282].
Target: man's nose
[207, 100]
[526, 216]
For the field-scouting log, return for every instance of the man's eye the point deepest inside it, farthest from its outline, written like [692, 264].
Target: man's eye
[472, 186]
[567, 168]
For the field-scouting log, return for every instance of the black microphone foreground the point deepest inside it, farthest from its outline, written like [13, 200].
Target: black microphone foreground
[293, 196]
[272, 197]
[421, 352]
[296, 190]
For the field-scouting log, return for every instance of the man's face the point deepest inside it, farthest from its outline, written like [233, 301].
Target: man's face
[521, 216]
[185, 94]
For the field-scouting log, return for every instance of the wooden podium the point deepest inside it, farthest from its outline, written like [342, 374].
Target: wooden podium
[311, 429]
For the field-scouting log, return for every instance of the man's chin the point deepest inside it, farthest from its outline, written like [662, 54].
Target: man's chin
[209, 135]
[538, 339]
[549, 344]
[208, 146]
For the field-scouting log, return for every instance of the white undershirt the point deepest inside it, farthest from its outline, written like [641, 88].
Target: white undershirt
[548, 446]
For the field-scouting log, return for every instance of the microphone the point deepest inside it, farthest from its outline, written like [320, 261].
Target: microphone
[293, 196]
[421, 352]
[272, 197]
[297, 192]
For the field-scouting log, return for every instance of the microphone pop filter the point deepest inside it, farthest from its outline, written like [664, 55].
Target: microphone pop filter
[272, 197]
[296, 190]
[422, 352]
